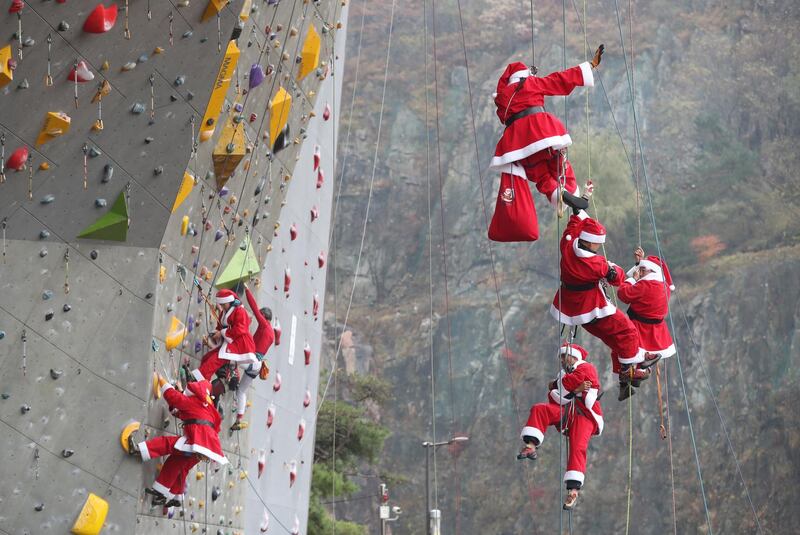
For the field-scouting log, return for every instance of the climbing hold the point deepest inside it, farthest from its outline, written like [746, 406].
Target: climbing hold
[128, 66]
[270, 415]
[101, 19]
[47, 295]
[314, 213]
[100, 203]
[292, 473]
[148, 140]
[242, 265]
[277, 384]
[276, 327]
[93, 254]
[256, 75]
[108, 172]
[229, 151]
[44, 234]
[321, 259]
[7, 65]
[66, 307]
[137, 108]
[187, 34]
[47, 199]
[317, 157]
[310, 53]
[42, 253]
[320, 178]
[63, 26]
[187, 184]
[307, 353]
[184, 225]
[93, 152]
[264, 522]
[199, 475]
[55, 374]
[287, 280]
[175, 334]
[92, 516]
[25, 409]
[39, 507]
[16, 6]
[18, 158]
[279, 115]
[326, 112]
[262, 461]
[293, 232]
[218, 235]
[315, 305]
[158, 170]
[142, 59]
[213, 8]
[111, 226]
[180, 80]
[44, 166]
[307, 398]
[215, 493]
[80, 73]
[67, 453]
[55, 124]
[221, 84]
[49, 315]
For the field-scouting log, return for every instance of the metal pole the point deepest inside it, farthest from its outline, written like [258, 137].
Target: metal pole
[427, 488]
[383, 527]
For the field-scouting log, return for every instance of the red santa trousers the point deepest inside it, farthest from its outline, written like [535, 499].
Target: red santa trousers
[171, 481]
[209, 365]
[618, 333]
[580, 428]
[543, 168]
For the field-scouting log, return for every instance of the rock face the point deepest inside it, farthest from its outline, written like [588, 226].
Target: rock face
[735, 310]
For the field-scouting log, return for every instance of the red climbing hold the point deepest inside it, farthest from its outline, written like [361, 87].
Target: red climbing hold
[317, 157]
[315, 305]
[307, 353]
[287, 280]
[292, 235]
[326, 114]
[262, 461]
[321, 259]
[101, 19]
[277, 384]
[270, 416]
[18, 158]
[307, 399]
[276, 328]
[292, 472]
[320, 178]
[16, 6]
[314, 213]
[301, 429]
[81, 73]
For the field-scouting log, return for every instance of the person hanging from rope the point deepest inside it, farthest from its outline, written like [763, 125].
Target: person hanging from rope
[646, 290]
[533, 142]
[200, 441]
[263, 337]
[573, 408]
[236, 344]
[581, 299]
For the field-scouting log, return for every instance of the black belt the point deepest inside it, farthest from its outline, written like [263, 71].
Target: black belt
[579, 287]
[193, 421]
[641, 319]
[524, 113]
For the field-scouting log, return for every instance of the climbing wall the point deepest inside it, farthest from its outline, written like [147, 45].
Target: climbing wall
[153, 152]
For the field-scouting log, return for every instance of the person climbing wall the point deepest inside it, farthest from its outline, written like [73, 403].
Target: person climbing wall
[263, 337]
[532, 143]
[573, 409]
[233, 335]
[647, 290]
[200, 440]
[581, 299]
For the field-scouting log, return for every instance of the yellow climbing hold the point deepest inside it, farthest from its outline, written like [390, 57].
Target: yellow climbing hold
[6, 74]
[229, 151]
[213, 8]
[199, 475]
[244, 14]
[310, 54]
[92, 516]
[220, 89]
[162, 274]
[184, 225]
[176, 333]
[126, 432]
[56, 123]
[187, 184]
[278, 114]
[156, 387]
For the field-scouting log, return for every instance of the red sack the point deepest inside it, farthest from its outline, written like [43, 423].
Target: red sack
[514, 216]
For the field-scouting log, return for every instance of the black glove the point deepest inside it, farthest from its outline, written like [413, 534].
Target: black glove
[611, 276]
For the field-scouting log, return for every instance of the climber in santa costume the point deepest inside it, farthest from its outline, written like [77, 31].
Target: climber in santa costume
[573, 409]
[200, 441]
[581, 299]
[263, 338]
[233, 331]
[532, 142]
[647, 291]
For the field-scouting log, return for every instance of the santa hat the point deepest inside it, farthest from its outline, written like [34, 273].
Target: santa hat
[656, 265]
[226, 296]
[592, 231]
[514, 73]
[574, 350]
[201, 389]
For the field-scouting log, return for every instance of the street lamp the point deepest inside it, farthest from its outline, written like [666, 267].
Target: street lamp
[433, 517]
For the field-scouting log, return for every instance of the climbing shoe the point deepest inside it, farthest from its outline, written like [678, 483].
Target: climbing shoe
[133, 446]
[576, 203]
[634, 375]
[528, 451]
[238, 425]
[158, 498]
[571, 500]
[625, 391]
[650, 359]
[173, 503]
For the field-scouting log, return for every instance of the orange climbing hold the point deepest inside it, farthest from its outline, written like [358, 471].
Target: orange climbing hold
[55, 124]
[7, 65]
[101, 19]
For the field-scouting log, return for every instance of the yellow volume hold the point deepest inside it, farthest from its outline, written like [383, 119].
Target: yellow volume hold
[221, 85]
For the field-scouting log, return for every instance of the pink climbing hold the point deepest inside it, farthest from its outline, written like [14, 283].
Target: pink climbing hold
[292, 472]
[262, 461]
[80, 73]
[301, 429]
[317, 157]
[314, 213]
[326, 114]
[270, 416]
[321, 259]
[101, 19]
[292, 234]
[315, 305]
[307, 353]
[320, 178]
[16, 6]
[287, 280]
[18, 158]
[307, 399]
[277, 384]
[276, 328]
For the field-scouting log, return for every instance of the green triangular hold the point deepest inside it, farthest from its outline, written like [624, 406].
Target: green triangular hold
[241, 266]
[111, 226]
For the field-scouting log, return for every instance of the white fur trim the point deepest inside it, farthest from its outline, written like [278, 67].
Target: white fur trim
[589, 399]
[224, 333]
[165, 387]
[236, 357]
[574, 475]
[665, 353]
[652, 266]
[636, 359]
[513, 169]
[580, 319]
[162, 489]
[594, 238]
[198, 375]
[144, 451]
[581, 253]
[588, 76]
[519, 75]
[631, 281]
[532, 432]
[555, 142]
[226, 299]
[202, 450]
[494, 95]
[572, 351]
[582, 214]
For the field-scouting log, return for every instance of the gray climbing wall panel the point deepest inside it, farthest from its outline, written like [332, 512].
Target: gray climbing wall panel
[95, 314]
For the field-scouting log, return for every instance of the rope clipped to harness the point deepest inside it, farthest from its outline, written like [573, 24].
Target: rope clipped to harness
[661, 429]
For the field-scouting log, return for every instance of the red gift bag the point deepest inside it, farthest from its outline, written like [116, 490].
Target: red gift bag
[514, 216]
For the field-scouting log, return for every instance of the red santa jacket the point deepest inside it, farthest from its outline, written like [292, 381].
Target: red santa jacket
[586, 401]
[581, 298]
[197, 437]
[265, 334]
[538, 131]
[237, 344]
[648, 299]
